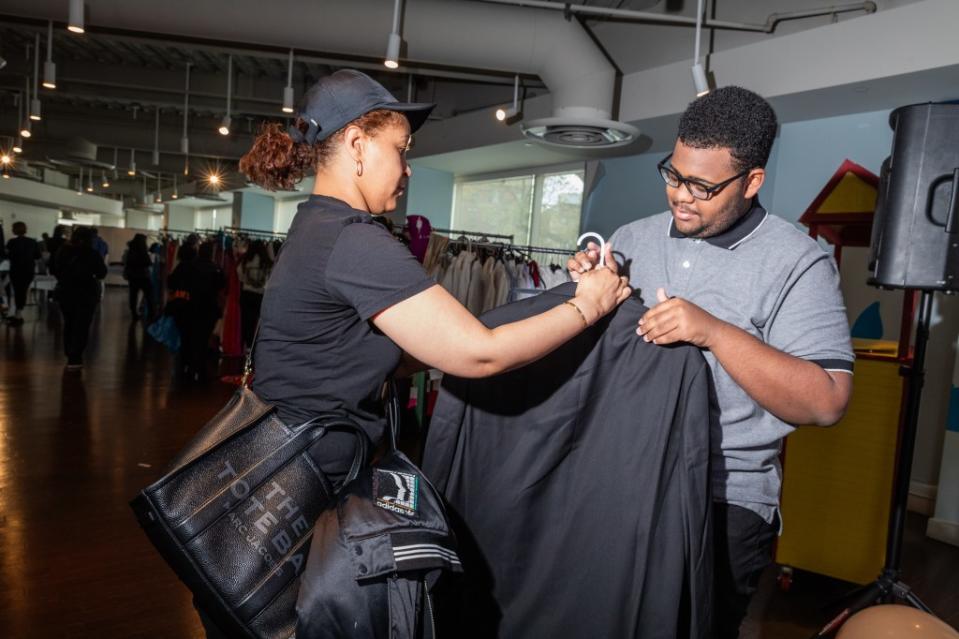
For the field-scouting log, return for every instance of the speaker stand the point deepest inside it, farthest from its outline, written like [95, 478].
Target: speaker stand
[888, 587]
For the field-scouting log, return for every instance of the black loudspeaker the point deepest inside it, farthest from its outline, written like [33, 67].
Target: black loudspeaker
[915, 233]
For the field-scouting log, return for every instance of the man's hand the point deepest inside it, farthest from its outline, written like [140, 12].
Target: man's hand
[677, 320]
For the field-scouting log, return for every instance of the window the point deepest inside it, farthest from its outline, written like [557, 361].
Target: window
[540, 209]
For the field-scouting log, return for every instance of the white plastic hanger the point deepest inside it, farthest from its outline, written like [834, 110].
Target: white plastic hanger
[602, 245]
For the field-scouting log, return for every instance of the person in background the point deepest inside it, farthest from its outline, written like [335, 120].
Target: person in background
[56, 242]
[79, 268]
[44, 266]
[23, 253]
[101, 247]
[136, 271]
[195, 286]
[253, 271]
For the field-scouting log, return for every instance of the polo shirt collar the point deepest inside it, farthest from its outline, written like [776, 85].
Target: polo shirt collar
[737, 233]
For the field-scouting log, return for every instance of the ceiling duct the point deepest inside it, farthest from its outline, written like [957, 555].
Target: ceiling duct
[67, 152]
[465, 34]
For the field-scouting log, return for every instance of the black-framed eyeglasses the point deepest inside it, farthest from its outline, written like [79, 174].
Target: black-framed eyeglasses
[697, 189]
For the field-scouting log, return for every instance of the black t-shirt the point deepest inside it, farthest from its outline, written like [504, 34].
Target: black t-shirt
[317, 353]
[23, 252]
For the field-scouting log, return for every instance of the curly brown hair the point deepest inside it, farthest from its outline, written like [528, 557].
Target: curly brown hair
[276, 162]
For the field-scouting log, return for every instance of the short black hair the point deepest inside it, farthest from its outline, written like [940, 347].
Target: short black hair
[732, 118]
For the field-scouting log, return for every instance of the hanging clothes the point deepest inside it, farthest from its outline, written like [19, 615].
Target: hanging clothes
[581, 489]
[232, 339]
[419, 230]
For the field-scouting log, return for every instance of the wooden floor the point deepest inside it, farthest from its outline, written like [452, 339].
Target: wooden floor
[74, 448]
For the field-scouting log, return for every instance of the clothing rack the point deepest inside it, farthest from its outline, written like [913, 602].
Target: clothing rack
[452, 232]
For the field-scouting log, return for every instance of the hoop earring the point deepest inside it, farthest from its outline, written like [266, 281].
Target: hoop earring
[359, 168]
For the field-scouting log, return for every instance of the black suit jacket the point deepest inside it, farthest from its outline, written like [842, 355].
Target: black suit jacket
[581, 488]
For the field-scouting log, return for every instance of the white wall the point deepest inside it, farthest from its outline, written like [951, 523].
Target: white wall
[38, 219]
[284, 214]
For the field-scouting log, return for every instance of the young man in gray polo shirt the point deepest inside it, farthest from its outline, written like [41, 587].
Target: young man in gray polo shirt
[762, 301]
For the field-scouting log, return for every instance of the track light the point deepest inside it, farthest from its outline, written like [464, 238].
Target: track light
[156, 139]
[699, 73]
[132, 170]
[511, 115]
[288, 89]
[50, 67]
[184, 139]
[225, 122]
[699, 79]
[393, 51]
[395, 40]
[35, 102]
[76, 17]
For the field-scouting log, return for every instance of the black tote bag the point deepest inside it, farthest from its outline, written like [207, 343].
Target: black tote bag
[234, 513]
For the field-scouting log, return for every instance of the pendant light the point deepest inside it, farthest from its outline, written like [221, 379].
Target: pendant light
[90, 181]
[18, 144]
[184, 139]
[80, 182]
[75, 23]
[225, 123]
[156, 138]
[288, 90]
[35, 102]
[512, 115]
[132, 170]
[395, 41]
[116, 152]
[176, 194]
[158, 199]
[699, 73]
[50, 67]
[25, 128]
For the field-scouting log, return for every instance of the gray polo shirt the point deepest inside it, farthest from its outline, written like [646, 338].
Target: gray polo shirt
[771, 280]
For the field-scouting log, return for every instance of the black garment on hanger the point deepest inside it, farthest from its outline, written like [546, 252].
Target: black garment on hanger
[581, 487]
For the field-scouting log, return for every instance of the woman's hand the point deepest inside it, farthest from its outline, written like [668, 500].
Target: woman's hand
[601, 289]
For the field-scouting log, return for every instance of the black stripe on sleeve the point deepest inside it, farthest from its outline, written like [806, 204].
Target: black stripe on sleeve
[834, 364]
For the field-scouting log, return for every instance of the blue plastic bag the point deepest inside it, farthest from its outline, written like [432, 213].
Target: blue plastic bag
[164, 330]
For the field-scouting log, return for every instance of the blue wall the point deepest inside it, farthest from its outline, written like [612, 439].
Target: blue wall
[256, 212]
[811, 151]
[431, 194]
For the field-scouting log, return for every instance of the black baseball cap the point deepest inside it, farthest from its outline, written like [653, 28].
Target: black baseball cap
[339, 98]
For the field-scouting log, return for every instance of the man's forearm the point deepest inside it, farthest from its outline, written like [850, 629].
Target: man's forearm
[794, 390]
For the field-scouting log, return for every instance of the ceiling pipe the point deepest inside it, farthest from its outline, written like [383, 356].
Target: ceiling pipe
[267, 52]
[455, 34]
[662, 18]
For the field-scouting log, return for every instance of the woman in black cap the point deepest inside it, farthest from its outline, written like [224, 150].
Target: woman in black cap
[346, 302]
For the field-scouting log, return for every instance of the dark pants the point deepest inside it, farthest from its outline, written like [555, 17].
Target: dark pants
[21, 286]
[743, 544]
[136, 285]
[249, 315]
[195, 332]
[77, 316]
